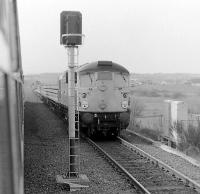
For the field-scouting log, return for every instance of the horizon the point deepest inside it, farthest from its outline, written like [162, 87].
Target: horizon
[198, 74]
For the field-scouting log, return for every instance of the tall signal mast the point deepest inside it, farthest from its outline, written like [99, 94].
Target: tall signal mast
[71, 37]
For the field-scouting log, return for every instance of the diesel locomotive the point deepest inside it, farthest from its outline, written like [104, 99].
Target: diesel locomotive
[102, 97]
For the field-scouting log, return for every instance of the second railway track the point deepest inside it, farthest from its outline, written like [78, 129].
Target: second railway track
[146, 176]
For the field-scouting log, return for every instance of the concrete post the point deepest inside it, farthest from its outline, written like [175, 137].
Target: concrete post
[71, 110]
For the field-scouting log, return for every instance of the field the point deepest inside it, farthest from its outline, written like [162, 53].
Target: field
[150, 99]
[152, 96]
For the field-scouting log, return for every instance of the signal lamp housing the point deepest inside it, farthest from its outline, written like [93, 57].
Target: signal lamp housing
[71, 28]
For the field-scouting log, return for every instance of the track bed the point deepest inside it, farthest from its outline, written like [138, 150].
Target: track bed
[179, 163]
[149, 175]
[46, 155]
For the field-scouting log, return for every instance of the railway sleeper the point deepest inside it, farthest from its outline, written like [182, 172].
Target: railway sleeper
[167, 189]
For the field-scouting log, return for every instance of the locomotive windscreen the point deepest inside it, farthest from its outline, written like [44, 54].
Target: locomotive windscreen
[102, 75]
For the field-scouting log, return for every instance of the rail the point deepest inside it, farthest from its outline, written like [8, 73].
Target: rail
[188, 181]
[136, 183]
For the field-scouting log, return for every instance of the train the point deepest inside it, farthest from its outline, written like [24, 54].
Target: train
[102, 97]
[11, 101]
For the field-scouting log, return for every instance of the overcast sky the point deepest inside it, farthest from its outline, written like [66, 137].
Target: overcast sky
[146, 36]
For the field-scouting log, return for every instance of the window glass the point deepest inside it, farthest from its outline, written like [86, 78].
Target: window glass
[104, 75]
[5, 159]
[87, 80]
[9, 36]
[4, 35]
[14, 37]
[121, 80]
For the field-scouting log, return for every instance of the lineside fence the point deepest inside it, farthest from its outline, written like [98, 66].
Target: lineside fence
[153, 122]
[157, 122]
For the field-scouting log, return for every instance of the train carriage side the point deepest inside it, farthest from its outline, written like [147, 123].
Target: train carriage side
[50, 93]
[11, 101]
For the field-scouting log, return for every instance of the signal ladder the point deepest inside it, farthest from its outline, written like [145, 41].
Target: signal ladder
[74, 146]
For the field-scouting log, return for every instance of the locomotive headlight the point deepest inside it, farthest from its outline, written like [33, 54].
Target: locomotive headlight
[84, 104]
[125, 95]
[124, 104]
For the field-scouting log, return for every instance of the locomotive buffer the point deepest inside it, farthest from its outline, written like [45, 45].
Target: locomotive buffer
[71, 37]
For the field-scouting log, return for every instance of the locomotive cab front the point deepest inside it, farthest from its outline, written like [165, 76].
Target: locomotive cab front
[104, 96]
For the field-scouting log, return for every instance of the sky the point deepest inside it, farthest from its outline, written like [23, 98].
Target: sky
[145, 36]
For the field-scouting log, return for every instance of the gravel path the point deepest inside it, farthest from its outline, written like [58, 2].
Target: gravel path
[172, 160]
[46, 156]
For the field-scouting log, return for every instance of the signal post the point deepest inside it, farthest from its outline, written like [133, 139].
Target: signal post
[71, 38]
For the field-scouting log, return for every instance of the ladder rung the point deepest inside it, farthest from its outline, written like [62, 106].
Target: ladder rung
[74, 155]
[73, 173]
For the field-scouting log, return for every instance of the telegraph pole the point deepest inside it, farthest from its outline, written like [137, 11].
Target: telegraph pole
[71, 38]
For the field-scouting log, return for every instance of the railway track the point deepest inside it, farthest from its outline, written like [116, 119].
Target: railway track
[147, 174]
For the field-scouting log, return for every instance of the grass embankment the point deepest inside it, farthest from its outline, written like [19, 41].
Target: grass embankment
[153, 96]
[149, 100]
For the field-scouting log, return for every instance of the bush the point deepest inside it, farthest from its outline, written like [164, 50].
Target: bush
[150, 93]
[194, 109]
[167, 95]
[136, 110]
[177, 131]
[193, 135]
[153, 134]
[153, 93]
[189, 139]
[177, 95]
